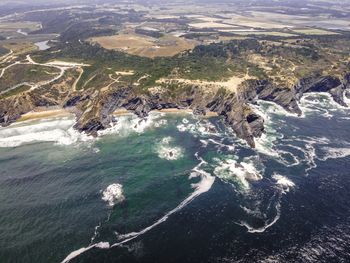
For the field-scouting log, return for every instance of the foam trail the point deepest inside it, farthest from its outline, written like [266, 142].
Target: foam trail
[274, 108]
[113, 194]
[287, 163]
[321, 103]
[265, 144]
[335, 153]
[244, 172]
[309, 151]
[168, 152]
[74, 254]
[201, 187]
[283, 182]
[127, 124]
[201, 128]
[266, 226]
[95, 233]
[346, 99]
[229, 147]
[284, 185]
[59, 131]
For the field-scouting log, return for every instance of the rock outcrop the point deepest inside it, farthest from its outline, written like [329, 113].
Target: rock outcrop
[94, 108]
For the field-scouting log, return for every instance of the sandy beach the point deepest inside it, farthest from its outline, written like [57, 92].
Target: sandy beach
[120, 112]
[42, 113]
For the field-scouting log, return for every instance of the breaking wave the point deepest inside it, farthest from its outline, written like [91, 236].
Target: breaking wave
[59, 131]
[113, 194]
[166, 151]
[320, 103]
[202, 127]
[203, 186]
[244, 172]
[335, 153]
[126, 124]
[283, 182]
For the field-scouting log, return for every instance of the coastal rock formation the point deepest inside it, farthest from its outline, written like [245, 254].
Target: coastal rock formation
[233, 106]
[94, 108]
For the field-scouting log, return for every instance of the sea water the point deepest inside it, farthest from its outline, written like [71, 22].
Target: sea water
[178, 188]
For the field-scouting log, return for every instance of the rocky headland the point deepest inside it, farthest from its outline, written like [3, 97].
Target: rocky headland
[94, 108]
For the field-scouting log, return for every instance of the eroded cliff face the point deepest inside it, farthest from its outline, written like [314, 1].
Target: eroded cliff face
[94, 108]
[12, 108]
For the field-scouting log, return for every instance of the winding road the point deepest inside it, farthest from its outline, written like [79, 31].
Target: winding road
[61, 65]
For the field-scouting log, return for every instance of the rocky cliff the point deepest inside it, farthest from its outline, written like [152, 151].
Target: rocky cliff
[233, 106]
[94, 108]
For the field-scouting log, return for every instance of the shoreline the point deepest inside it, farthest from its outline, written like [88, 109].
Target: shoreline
[44, 112]
[123, 112]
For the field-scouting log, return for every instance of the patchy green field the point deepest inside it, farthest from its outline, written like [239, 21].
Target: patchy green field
[314, 31]
[21, 73]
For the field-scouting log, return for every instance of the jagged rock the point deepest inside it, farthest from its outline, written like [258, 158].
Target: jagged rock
[94, 109]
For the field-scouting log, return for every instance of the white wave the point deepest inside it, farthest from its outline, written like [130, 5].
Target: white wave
[126, 124]
[320, 103]
[168, 152]
[185, 121]
[229, 147]
[201, 128]
[204, 143]
[58, 131]
[74, 254]
[244, 171]
[296, 161]
[95, 233]
[335, 153]
[346, 99]
[268, 223]
[182, 128]
[103, 245]
[265, 145]
[283, 182]
[203, 186]
[251, 212]
[113, 194]
[272, 108]
[309, 149]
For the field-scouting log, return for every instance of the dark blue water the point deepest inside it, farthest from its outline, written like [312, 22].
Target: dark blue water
[181, 189]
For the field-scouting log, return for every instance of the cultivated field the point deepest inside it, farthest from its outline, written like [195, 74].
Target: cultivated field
[314, 31]
[210, 24]
[140, 45]
[30, 26]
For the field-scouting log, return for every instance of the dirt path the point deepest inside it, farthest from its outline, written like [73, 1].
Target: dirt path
[61, 65]
[81, 72]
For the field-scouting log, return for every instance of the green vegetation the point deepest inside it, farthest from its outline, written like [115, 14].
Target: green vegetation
[282, 60]
[15, 91]
[3, 51]
[23, 73]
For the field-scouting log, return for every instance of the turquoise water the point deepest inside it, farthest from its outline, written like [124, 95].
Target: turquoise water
[177, 188]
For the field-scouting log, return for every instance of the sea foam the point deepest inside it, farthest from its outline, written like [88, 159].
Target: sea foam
[335, 153]
[113, 194]
[126, 124]
[58, 131]
[244, 172]
[166, 151]
[283, 182]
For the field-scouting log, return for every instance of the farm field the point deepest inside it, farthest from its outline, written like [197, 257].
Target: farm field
[140, 45]
[314, 31]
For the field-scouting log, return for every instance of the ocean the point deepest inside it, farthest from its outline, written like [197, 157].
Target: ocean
[178, 188]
